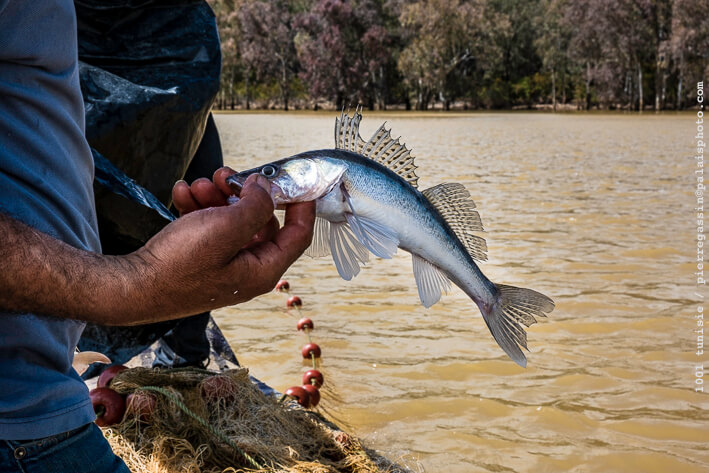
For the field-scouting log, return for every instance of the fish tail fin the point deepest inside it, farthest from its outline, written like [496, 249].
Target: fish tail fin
[515, 306]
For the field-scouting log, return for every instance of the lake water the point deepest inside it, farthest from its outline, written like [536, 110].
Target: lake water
[596, 211]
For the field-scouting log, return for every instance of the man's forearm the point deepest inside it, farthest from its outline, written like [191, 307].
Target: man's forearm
[209, 258]
[43, 275]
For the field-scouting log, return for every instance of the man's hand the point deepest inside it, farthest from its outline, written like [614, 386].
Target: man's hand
[219, 254]
[212, 256]
[204, 193]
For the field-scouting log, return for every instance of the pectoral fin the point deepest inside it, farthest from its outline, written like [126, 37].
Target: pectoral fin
[321, 239]
[347, 251]
[381, 240]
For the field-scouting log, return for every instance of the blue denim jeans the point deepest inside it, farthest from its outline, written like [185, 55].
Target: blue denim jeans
[84, 450]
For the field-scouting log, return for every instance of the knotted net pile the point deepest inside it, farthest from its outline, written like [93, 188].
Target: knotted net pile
[239, 429]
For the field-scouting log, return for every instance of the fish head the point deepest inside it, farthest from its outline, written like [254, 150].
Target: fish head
[295, 179]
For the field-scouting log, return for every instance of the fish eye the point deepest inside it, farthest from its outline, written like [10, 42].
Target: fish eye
[268, 170]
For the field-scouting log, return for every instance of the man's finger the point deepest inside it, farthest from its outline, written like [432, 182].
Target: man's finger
[182, 198]
[238, 223]
[267, 233]
[207, 194]
[291, 240]
[219, 180]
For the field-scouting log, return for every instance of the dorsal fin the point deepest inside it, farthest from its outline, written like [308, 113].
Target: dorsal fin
[381, 147]
[453, 202]
[347, 132]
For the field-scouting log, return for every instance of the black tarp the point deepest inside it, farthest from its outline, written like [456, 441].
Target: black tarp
[149, 74]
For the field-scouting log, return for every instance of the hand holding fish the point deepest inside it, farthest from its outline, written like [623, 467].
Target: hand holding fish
[204, 193]
[222, 254]
[214, 255]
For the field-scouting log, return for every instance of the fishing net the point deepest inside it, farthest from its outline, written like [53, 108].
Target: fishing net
[198, 425]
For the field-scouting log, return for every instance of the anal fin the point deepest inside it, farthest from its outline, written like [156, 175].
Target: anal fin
[430, 281]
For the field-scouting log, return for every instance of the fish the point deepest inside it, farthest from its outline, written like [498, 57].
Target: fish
[368, 201]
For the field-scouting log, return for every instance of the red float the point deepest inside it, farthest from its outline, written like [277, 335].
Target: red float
[294, 301]
[218, 387]
[300, 395]
[314, 378]
[311, 350]
[344, 439]
[282, 286]
[109, 406]
[141, 405]
[105, 378]
[314, 394]
[305, 324]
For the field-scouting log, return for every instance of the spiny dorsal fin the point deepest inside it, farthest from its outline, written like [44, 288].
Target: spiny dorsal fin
[453, 202]
[347, 132]
[381, 147]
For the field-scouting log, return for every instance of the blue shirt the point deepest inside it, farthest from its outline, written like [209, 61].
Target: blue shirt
[46, 175]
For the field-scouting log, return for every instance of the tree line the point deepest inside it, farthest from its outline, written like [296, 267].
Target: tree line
[471, 54]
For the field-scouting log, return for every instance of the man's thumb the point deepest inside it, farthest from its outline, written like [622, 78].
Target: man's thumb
[250, 214]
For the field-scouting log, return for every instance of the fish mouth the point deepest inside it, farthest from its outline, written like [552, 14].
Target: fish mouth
[236, 181]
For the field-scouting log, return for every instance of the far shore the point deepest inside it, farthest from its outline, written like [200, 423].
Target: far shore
[454, 112]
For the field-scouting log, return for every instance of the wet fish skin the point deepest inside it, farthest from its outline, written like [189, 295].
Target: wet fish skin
[379, 194]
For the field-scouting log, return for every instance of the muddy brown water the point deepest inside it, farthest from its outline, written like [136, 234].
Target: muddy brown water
[594, 210]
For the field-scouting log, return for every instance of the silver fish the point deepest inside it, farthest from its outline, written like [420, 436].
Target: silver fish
[367, 201]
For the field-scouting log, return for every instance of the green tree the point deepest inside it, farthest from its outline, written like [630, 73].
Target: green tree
[552, 44]
[445, 37]
[513, 56]
[232, 65]
[689, 46]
